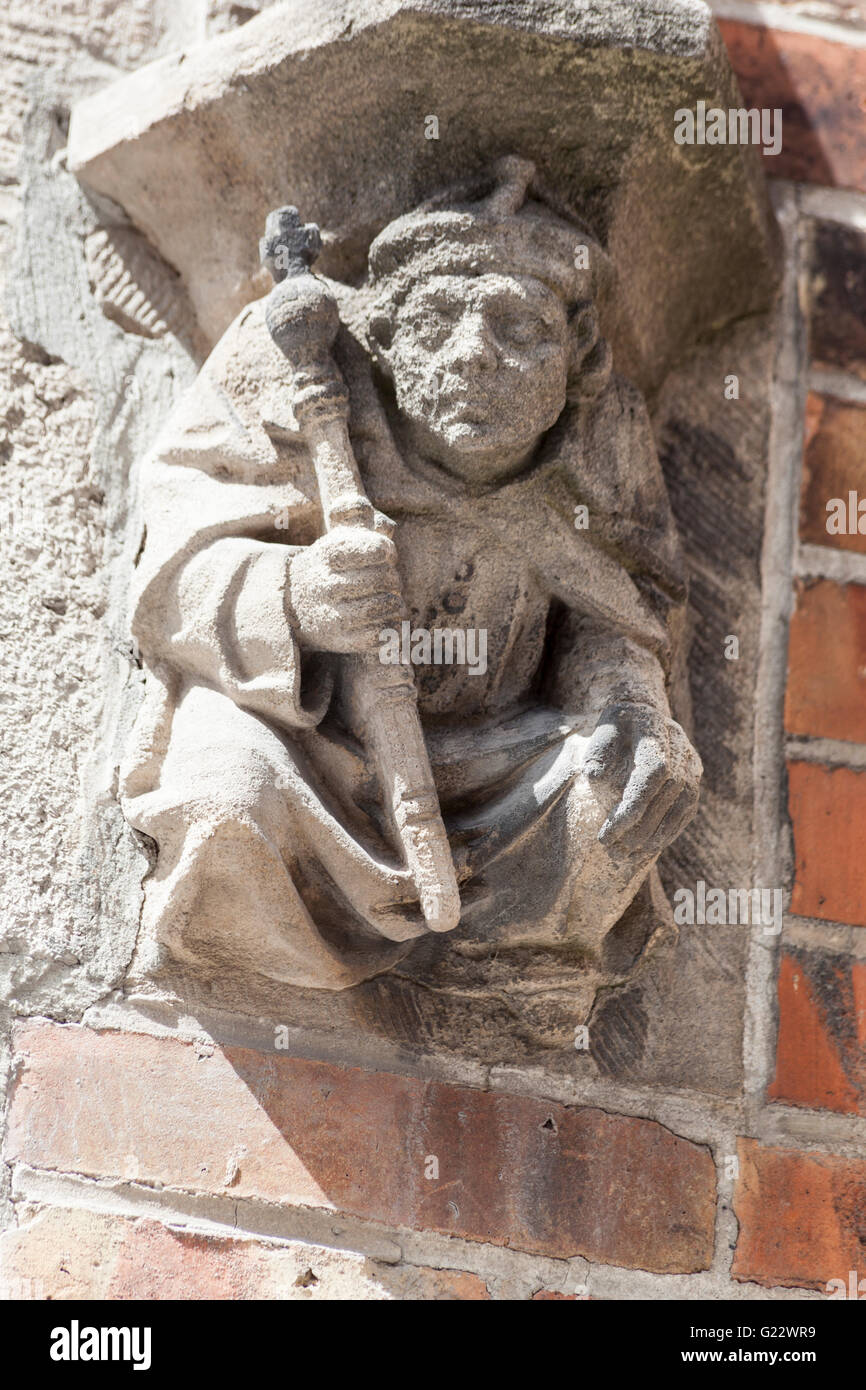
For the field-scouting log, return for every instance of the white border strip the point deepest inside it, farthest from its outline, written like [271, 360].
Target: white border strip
[768, 16]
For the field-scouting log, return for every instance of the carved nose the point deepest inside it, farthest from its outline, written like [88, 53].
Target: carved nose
[477, 346]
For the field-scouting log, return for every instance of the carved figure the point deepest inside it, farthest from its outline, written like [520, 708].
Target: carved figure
[348, 501]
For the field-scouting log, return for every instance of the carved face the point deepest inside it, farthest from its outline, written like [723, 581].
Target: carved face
[480, 369]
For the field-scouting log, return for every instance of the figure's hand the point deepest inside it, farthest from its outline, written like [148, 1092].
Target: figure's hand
[651, 758]
[344, 588]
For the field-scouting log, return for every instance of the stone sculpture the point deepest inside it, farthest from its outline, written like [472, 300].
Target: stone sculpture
[408, 600]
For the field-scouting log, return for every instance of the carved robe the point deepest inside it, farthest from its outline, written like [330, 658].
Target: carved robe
[248, 766]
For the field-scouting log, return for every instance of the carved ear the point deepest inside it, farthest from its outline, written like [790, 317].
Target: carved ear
[591, 361]
[380, 331]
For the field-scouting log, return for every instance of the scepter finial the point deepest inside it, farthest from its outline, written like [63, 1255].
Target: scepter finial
[289, 246]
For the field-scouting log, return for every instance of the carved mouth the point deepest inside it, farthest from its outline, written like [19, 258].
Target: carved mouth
[466, 412]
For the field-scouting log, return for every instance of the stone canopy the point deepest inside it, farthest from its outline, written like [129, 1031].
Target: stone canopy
[329, 106]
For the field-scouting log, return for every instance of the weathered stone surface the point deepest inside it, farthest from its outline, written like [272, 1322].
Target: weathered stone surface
[511, 1171]
[304, 104]
[65, 1254]
[713, 452]
[800, 1217]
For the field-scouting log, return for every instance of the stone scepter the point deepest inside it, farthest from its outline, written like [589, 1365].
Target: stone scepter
[303, 319]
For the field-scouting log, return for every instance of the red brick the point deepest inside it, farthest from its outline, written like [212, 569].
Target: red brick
[821, 1049]
[835, 296]
[512, 1171]
[820, 86]
[826, 696]
[834, 465]
[827, 807]
[800, 1215]
[79, 1254]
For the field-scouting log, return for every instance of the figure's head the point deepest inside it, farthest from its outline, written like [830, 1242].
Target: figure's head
[484, 321]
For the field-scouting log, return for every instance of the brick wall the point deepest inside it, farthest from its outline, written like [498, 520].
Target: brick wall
[151, 1156]
[798, 1199]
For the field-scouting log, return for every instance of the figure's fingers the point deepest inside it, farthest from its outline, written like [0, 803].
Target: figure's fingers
[603, 750]
[645, 827]
[679, 815]
[365, 583]
[379, 610]
[649, 774]
[682, 772]
[688, 756]
[352, 548]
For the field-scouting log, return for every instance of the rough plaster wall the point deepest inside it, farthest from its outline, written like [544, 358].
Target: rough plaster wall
[51, 601]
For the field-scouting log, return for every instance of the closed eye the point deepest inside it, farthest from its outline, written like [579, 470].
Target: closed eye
[436, 325]
[519, 329]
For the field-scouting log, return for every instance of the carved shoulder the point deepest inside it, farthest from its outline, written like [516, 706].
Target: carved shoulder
[614, 466]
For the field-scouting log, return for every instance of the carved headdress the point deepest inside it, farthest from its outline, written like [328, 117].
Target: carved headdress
[506, 220]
